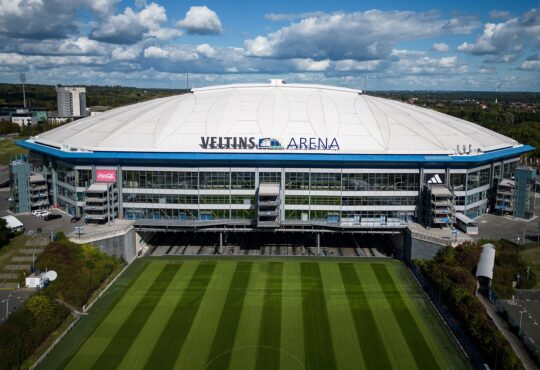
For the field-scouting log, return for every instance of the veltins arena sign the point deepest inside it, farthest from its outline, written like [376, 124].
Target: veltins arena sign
[267, 143]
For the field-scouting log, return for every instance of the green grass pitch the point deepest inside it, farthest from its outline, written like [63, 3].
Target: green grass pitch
[260, 313]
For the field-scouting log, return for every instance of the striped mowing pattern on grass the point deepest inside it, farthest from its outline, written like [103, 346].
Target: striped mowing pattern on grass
[211, 313]
[416, 341]
[372, 346]
[269, 355]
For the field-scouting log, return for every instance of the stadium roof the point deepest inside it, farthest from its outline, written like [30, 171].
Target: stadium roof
[314, 118]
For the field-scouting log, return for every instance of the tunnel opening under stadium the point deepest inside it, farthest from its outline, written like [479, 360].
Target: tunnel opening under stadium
[268, 244]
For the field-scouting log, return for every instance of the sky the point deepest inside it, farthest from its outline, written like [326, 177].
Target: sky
[380, 45]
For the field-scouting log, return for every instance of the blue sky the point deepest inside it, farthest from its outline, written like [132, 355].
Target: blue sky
[443, 45]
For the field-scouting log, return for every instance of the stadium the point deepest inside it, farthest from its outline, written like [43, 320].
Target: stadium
[288, 157]
[265, 163]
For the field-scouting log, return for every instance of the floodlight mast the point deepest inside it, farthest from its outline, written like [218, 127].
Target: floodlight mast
[22, 77]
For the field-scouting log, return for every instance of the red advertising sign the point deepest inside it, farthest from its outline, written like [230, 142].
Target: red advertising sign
[105, 175]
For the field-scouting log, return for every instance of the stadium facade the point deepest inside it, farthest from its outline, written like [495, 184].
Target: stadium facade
[277, 155]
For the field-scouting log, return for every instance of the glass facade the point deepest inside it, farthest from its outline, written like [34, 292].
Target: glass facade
[313, 190]
[381, 181]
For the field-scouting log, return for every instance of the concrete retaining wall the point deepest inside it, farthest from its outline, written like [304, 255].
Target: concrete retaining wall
[416, 249]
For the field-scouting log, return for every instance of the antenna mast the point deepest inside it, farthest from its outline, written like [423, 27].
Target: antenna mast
[365, 82]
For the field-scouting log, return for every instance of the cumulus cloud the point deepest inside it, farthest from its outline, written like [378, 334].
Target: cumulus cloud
[441, 47]
[126, 53]
[276, 17]
[531, 64]
[366, 35]
[504, 41]
[131, 26]
[200, 20]
[499, 14]
[45, 19]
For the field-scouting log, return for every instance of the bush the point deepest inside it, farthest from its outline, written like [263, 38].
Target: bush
[27, 327]
[80, 268]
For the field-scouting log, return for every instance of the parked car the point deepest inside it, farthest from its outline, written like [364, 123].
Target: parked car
[38, 212]
[75, 219]
[44, 214]
[52, 216]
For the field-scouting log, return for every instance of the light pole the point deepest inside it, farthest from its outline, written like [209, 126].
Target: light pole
[520, 318]
[7, 308]
[22, 77]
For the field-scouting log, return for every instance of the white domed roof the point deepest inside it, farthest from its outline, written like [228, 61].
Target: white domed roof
[279, 116]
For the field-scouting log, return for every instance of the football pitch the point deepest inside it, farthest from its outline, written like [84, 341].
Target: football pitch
[260, 313]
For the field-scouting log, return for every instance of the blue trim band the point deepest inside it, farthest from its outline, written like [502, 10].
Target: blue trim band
[276, 157]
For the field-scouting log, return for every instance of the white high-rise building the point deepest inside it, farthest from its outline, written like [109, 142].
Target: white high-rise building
[71, 101]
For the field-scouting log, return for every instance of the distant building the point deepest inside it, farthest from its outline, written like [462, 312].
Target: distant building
[22, 116]
[524, 193]
[516, 197]
[97, 109]
[29, 190]
[71, 101]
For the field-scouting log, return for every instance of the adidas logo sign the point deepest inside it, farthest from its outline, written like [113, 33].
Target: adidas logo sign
[435, 180]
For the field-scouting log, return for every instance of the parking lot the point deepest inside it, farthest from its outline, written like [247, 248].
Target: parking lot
[11, 300]
[33, 224]
[513, 229]
[525, 309]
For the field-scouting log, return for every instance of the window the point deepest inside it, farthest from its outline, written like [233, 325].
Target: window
[269, 177]
[297, 180]
[242, 180]
[380, 181]
[478, 178]
[458, 181]
[297, 199]
[159, 180]
[84, 178]
[214, 180]
[325, 181]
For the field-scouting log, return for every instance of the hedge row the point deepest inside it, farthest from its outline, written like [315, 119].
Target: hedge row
[452, 272]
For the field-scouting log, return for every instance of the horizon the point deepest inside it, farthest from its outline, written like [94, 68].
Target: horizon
[422, 45]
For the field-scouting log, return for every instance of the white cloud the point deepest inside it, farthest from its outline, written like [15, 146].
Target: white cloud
[531, 64]
[499, 14]
[310, 65]
[126, 53]
[505, 41]
[200, 20]
[440, 47]
[276, 17]
[163, 34]
[448, 62]
[155, 52]
[366, 35]
[131, 26]
[206, 50]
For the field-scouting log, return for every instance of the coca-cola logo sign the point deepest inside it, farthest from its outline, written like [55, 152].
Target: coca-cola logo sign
[105, 175]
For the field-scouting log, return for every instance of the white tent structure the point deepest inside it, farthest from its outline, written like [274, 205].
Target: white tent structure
[13, 223]
[486, 262]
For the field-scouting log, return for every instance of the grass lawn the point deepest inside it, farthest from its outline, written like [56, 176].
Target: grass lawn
[260, 313]
[8, 150]
[532, 256]
[8, 250]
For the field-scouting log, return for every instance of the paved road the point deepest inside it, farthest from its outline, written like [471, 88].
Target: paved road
[505, 330]
[15, 299]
